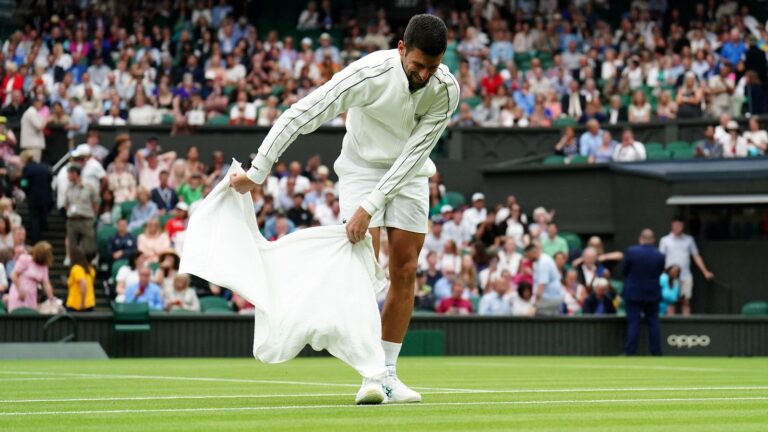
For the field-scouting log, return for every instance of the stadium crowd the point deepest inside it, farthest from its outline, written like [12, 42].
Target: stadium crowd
[193, 63]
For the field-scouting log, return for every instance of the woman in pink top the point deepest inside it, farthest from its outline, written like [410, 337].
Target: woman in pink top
[30, 271]
[153, 241]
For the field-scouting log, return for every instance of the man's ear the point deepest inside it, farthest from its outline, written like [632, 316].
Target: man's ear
[401, 48]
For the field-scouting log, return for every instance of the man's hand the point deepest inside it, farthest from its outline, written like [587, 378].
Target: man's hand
[241, 183]
[709, 275]
[357, 225]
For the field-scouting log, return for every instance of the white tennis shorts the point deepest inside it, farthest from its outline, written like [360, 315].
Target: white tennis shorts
[408, 210]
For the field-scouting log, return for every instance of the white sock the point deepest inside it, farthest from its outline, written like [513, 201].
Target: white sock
[391, 351]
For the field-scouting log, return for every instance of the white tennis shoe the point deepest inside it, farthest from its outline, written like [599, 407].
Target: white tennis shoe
[372, 392]
[396, 391]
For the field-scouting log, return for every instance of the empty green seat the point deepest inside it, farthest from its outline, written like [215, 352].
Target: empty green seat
[579, 159]
[455, 199]
[126, 207]
[554, 160]
[117, 265]
[139, 230]
[618, 285]
[659, 155]
[164, 219]
[213, 302]
[220, 120]
[564, 121]
[573, 240]
[130, 317]
[678, 145]
[687, 153]
[104, 233]
[653, 146]
[755, 308]
[472, 101]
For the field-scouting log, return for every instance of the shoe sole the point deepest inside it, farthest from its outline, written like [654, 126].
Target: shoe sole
[405, 401]
[371, 397]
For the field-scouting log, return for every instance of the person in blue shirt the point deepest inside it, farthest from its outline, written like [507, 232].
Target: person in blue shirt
[642, 267]
[122, 245]
[145, 291]
[733, 50]
[670, 290]
[547, 289]
[524, 98]
[591, 140]
[143, 211]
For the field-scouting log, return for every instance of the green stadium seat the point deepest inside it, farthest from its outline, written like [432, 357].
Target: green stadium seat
[678, 145]
[213, 302]
[564, 121]
[579, 159]
[573, 240]
[755, 308]
[618, 285]
[687, 153]
[126, 207]
[658, 155]
[25, 311]
[455, 199]
[472, 101]
[154, 266]
[424, 343]
[475, 303]
[220, 120]
[116, 267]
[167, 119]
[183, 312]
[137, 231]
[218, 311]
[2, 306]
[653, 146]
[130, 317]
[104, 233]
[554, 160]
[164, 219]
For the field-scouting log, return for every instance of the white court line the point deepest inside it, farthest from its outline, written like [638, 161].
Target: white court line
[430, 404]
[609, 367]
[307, 395]
[36, 379]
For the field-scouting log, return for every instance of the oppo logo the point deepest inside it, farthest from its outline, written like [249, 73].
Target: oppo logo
[688, 341]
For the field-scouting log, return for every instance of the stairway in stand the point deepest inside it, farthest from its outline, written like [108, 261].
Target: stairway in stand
[57, 232]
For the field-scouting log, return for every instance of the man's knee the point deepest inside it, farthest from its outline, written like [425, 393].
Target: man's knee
[404, 270]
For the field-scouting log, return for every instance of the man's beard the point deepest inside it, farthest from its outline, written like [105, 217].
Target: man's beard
[414, 85]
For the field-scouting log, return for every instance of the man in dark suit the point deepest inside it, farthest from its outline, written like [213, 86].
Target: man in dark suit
[616, 112]
[36, 181]
[573, 103]
[642, 266]
[164, 196]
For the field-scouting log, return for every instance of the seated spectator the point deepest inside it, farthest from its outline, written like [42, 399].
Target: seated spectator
[6, 234]
[121, 182]
[589, 270]
[301, 217]
[617, 113]
[593, 112]
[509, 258]
[424, 298]
[432, 273]
[604, 153]
[178, 222]
[150, 166]
[128, 275]
[167, 270]
[30, 271]
[629, 150]
[122, 245]
[468, 275]
[143, 211]
[486, 113]
[498, 301]
[145, 291]
[573, 103]
[153, 241]
[734, 145]
[670, 290]
[181, 296]
[112, 117]
[573, 291]
[666, 109]
[434, 240]
[720, 87]
[443, 286]
[192, 191]
[80, 294]
[599, 301]
[689, 98]
[591, 139]
[523, 303]
[269, 112]
[639, 109]
[709, 147]
[553, 243]
[456, 304]
[143, 113]
[756, 138]
[568, 144]
[164, 197]
[242, 112]
[464, 118]
[488, 232]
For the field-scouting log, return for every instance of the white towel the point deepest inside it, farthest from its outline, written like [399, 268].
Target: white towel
[310, 287]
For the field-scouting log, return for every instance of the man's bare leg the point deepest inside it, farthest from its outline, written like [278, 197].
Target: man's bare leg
[404, 248]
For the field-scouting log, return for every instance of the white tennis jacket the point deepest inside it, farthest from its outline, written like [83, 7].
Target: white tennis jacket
[388, 126]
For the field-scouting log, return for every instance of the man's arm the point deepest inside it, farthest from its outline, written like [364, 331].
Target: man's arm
[349, 88]
[703, 267]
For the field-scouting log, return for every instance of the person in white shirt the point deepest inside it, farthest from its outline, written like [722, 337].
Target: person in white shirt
[756, 138]
[734, 145]
[523, 304]
[475, 214]
[433, 242]
[457, 229]
[398, 102]
[112, 118]
[509, 258]
[142, 113]
[721, 130]
[32, 125]
[629, 150]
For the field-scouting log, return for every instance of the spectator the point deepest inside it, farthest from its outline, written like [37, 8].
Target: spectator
[167, 270]
[30, 271]
[546, 279]
[164, 197]
[432, 272]
[145, 291]
[516, 228]
[509, 258]
[670, 290]
[81, 204]
[523, 304]
[443, 286]
[642, 267]
[182, 296]
[553, 243]
[617, 113]
[7, 141]
[112, 117]
[121, 182]
[640, 109]
[178, 222]
[721, 88]
[456, 304]
[755, 96]
[497, 302]
[599, 301]
[486, 113]
[678, 248]
[465, 117]
[604, 153]
[689, 98]
[488, 232]
[424, 299]
[574, 104]
[476, 214]
[591, 139]
[151, 165]
[143, 113]
[97, 151]
[36, 181]
[733, 49]
[756, 138]
[153, 241]
[434, 240]
[734, 145]
[143, 211]
[468, 275]
[122, 245]
[666, 109]
[80, 294]
[629, 150]
[32, 126]
[128, 275]
[709, 147]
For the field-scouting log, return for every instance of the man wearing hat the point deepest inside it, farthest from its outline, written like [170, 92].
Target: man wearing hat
[92, 171]
[178, 222]
[476, 214]
[734, 144]
[326, 49]
[398, 102]
[81, 204]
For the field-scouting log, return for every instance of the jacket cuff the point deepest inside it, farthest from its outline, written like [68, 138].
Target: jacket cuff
[260, 168]
[373, 202]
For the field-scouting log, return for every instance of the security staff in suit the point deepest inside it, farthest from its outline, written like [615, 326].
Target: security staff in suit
[36, 181]
[642, 266]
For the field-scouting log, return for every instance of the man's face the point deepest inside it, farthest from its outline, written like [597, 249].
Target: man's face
[457, 291]
[418, 66]
[144, 275]
[122, 226]
[677, 227]
[164, 179]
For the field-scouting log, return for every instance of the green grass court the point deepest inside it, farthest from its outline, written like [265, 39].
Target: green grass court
[460, 393]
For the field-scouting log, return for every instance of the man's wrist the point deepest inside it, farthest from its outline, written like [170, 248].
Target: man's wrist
[373, 202]
[260, 168]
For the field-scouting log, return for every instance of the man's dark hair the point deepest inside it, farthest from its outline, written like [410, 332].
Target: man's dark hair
[678, 218]
[427, 33]
[74, 169]
[530, 248]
